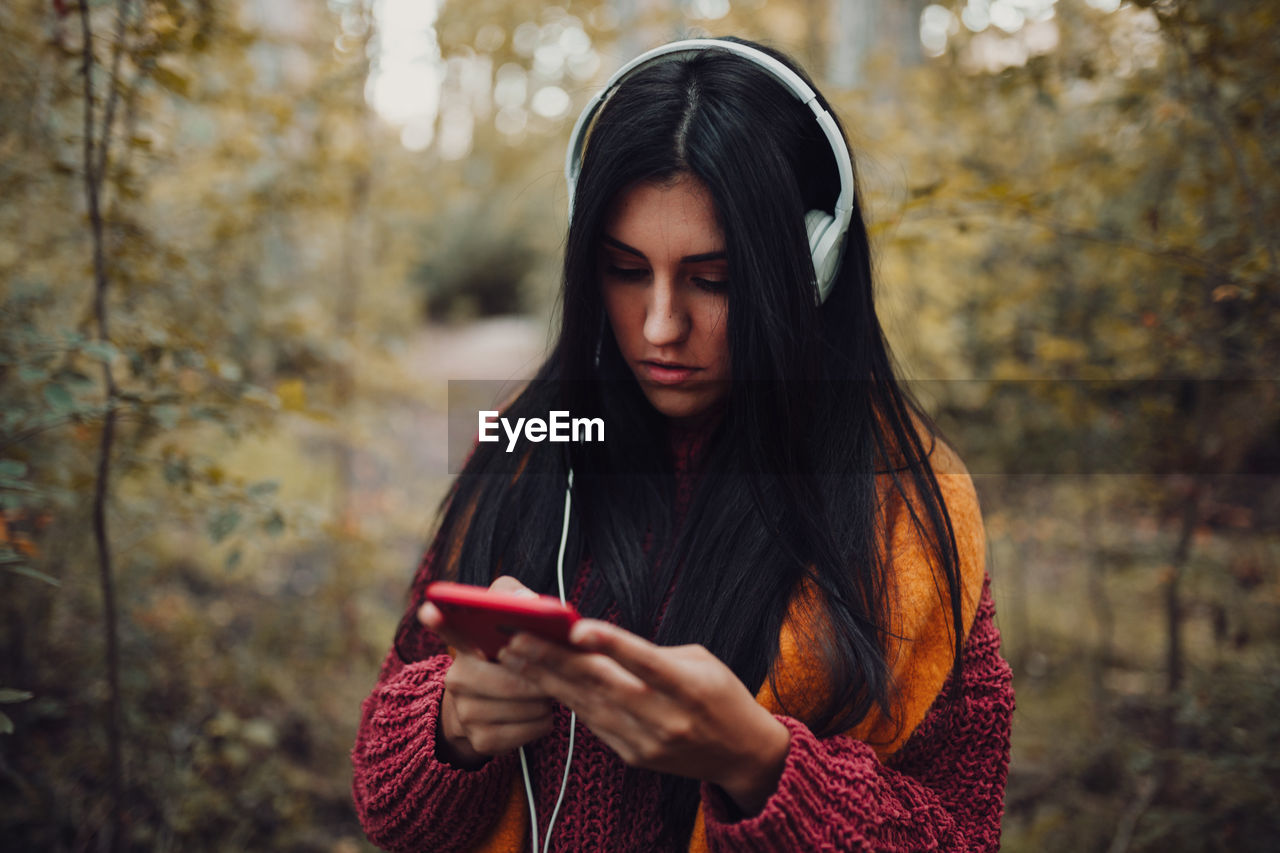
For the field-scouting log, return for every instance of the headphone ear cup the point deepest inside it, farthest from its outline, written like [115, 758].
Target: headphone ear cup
[824, 248]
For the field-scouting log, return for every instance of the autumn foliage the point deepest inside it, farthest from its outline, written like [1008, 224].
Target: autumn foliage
[1077, 235]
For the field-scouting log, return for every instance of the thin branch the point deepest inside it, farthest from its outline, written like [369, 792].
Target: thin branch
[1147, 787]
[34, 431]
[80, 417]
[95, 169]
[113, 90]
[129, 119]
[86, 33]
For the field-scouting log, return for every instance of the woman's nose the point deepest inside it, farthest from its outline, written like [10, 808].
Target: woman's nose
[666, 322]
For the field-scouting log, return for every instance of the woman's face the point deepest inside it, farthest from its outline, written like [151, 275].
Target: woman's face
[665, 280]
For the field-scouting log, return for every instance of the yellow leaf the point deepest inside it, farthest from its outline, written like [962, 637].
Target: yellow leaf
[1058, 350]
[173, 81]
[292, 394]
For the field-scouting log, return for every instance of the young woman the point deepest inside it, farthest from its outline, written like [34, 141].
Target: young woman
[793, 644]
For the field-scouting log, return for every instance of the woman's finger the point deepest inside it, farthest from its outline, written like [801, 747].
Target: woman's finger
[431, 617]
[499, 739]
[575, 678]
[654, 665]
[433, 620]
[476, 676]
[620, 724]
[477, 711]
[511, 586]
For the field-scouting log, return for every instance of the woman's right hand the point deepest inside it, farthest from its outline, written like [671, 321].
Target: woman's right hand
[487, 709]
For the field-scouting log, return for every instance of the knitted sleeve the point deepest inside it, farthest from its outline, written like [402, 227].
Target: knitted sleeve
[407, 798]
[943, 790]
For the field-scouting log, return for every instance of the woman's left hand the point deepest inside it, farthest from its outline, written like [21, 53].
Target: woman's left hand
[673, 709]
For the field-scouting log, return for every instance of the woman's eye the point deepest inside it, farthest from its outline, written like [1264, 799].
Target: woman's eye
[626, 273]
[712, 285]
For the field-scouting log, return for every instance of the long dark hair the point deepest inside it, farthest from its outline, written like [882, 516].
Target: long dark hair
[814, 421]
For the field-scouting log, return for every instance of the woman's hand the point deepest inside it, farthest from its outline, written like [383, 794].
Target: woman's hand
[671, 709]
[487, 709]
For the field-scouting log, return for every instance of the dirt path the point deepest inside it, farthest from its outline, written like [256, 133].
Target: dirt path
[400, 464]
[500, 348]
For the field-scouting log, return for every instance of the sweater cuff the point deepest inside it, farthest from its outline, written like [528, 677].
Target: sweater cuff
[408, 779]
[806, 799]
[431, 681]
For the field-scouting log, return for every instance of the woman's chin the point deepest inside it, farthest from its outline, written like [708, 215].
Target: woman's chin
[689, 405]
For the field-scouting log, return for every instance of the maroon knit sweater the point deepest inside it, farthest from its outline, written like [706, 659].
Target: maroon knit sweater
[943, 790]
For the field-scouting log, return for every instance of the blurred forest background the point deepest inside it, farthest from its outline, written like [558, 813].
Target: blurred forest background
[241, 258]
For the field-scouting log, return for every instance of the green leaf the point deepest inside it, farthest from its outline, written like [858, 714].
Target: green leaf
[206, 413]
[9, 420]
[165, 415]
[12, 468]
[274, 525]
[30, 374]
[35, 574]
[175, 471]
[264, 488]
[58, 397]
[221, 525]
[9, 695]
[71, 377]
[101, 350]
[6, 724]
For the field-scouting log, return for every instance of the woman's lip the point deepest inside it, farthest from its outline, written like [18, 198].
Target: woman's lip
[667, 374]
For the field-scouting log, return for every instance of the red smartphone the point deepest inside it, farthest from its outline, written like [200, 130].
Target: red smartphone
[488, 619]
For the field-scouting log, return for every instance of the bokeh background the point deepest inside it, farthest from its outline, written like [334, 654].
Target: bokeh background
[235, 283]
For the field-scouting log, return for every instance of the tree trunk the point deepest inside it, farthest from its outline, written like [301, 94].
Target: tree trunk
[866, 28]
[1099, 603]
[1173, 593]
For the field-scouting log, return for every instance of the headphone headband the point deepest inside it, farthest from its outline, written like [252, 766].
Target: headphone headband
[826, 236]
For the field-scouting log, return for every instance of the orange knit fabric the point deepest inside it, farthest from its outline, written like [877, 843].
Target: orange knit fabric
[920, 653]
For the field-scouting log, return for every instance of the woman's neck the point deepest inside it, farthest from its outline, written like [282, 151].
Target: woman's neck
[688, 437]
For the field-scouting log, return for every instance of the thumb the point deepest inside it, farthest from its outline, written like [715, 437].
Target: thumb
[511, 586]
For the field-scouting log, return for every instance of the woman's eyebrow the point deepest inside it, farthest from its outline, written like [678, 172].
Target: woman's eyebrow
[687, 259]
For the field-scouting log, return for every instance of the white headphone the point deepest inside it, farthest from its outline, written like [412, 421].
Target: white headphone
[826, 230]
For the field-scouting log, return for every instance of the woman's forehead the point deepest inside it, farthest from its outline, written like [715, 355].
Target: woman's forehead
[674, 217]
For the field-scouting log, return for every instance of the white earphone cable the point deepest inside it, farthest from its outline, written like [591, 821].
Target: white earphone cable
[573, 716]
[528, 792]
[564, 534]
